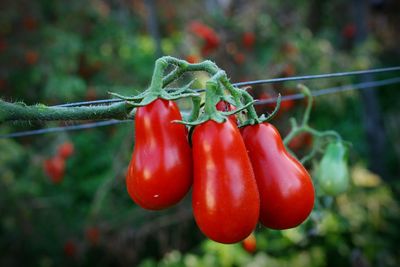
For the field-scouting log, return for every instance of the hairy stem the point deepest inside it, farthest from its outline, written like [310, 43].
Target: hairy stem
[22, 112]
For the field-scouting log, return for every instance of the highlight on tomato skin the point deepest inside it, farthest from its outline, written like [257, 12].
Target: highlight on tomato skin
[160, 172]
[286, 189]
[225, 198]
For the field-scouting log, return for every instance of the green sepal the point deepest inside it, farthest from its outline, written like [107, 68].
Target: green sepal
[184, 89]
[274, 112]
[232, 112]
[129, 98]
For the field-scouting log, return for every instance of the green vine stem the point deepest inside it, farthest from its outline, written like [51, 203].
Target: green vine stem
[124, 110]
[297, 129]
[21, 112]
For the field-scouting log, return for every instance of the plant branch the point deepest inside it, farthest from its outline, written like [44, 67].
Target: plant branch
[21, 112]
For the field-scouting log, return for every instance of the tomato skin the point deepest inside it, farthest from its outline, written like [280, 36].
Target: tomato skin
[92, 234]
[160, 172]
[225, 106]
[250, 244]
[286, 189]
[248, 40]
[209, 36]
[55, 169]
[300, 141]
[66, 150]
[70, 249]
[333, 173]
[192, 58]
[225, 198]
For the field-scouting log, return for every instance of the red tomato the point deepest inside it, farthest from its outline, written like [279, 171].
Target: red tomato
[31, 57]
[92, 235]
[224, 106]
[248, 40]
[289, 49]
[55, 168]
[30, 23]
[240, 58]
[250, 244]
[65, 150]
[288, 70]
[349, 31]
[69, 249]
[225, 197]
[160, 172]
[286, 105]
[210, 37]
[192, 59]
[303, 140]
[286, 189]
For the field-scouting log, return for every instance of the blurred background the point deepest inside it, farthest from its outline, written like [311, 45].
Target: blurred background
[63, 200]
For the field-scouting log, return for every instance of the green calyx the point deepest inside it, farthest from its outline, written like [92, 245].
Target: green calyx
[218, 88]
[213, 96]
[157, 90]
[252, 115]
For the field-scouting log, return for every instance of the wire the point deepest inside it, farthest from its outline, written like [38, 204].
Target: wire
[332, 90]
[318, 76]
[84, 103]
[327, 91]
[65, 128]
[239, 84]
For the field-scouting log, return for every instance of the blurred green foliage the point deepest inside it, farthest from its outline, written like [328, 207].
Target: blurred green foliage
[63, 51]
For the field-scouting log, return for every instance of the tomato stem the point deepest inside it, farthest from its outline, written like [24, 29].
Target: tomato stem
[21, 112]
[297, 129]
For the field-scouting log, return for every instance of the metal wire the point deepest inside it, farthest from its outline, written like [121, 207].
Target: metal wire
[84, 103]
[332, 90]
[275, 80]
[327, 91]
[318, 76]
[64, 128]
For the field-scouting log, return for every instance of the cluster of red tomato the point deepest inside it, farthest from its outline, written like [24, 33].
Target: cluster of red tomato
[55, 166]
[239, 177]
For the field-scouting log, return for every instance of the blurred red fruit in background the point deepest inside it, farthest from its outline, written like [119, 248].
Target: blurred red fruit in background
[92, 234]
[192, 59]
[209, 36]
[249, 243]
[31, 57]
[248, 40]
[300, 141]
[66, 149]
[349, 31]
[54, 168]
[69, 249]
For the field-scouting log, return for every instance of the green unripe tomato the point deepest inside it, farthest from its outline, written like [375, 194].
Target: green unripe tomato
[333, 172]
